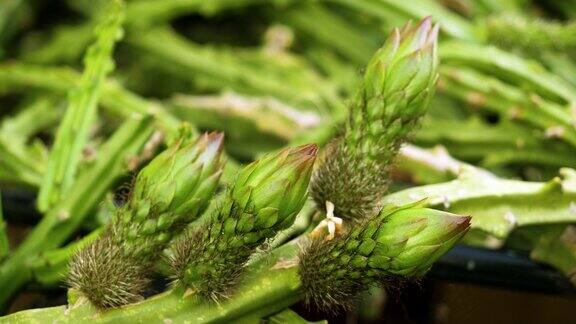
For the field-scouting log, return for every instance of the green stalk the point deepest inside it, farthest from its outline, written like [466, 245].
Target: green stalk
[18, 164]
[429, 166]
[149, 12]
[532, 35]
[17, 160]
[66, 45]
[511, 102]
[73, 132]
[267, 114]
[336, 32]
[452, 24]
[116, 99]
[287, 77]
[494, 145]
[123, 102]
[554, 245]
[336, 68]
[38, 115]
[66, 217]
[529, 75]
[68, 41]
[498, 6]
[560, 64]
[22, 77]
[145, 13]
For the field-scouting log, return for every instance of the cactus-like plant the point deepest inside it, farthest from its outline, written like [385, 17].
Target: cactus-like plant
[397, 87]
[264, 199]
[374, 238]
[397, 242]
[169, 193]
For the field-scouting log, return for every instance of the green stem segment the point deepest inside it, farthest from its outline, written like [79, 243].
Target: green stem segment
[114, 98]
[499, 205]
[520, 72]
[74, 131]
[534, 35]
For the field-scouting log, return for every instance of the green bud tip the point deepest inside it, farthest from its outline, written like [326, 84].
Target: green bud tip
[405, 62]
[188, 171]
[277, 180]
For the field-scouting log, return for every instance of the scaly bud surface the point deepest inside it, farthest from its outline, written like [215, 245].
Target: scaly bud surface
[169, 193]
[172, 191]
[397, 87]
[266, 197]
[400, 242]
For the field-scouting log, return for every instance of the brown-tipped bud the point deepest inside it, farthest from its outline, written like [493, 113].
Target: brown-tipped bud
[265, 199]
[169, 193]
[172, 191]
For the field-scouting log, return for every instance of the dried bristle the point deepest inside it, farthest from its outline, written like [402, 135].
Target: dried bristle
[219, 274]
[325, 285]
[353, 183]
[106, 275]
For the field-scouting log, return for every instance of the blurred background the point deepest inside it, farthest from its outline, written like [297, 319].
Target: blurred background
[276, 72]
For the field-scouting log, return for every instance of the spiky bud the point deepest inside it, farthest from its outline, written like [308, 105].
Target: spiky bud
[401, 242]
[264, 199]
[396, 90]
[108, 276]
[169, 193]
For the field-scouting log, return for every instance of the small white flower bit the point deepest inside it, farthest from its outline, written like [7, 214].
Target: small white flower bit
[332, 223]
